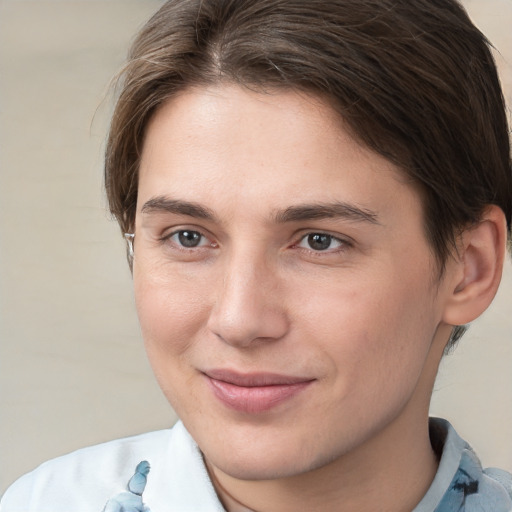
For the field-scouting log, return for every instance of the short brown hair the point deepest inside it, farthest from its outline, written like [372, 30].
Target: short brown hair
[414, 80]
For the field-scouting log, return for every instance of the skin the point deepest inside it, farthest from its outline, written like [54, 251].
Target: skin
[364, 318]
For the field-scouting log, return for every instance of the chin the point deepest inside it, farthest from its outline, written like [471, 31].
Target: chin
[261, 469]
[267, 463]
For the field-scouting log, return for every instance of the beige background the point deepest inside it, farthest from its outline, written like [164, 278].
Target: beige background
[72, 368]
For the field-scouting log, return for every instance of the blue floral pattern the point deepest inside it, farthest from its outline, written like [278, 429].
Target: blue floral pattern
[475, 490]
[131, 499]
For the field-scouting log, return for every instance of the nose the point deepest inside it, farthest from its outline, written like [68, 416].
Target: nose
[249, 305]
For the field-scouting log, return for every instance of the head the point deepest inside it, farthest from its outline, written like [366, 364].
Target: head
[404, 96]
[414, 81]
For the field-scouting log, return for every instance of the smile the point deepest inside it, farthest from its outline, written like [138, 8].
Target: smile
[254, 393]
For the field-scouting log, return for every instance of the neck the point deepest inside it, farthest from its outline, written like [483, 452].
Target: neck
[390, 473]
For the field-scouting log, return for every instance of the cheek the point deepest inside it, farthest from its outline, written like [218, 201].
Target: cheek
[170, 316]
[373, 332]
[170, 312]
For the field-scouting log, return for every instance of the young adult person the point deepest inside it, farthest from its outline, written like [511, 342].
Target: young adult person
[317, 197]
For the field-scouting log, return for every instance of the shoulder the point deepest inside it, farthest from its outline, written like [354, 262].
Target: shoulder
[86, 476]
[478, 489]
[461, 483]
[85, 480]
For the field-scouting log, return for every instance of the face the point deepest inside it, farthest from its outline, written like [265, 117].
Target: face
[284, 285]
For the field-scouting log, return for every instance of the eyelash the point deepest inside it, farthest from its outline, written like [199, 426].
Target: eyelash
[342, 244]
[168, 238]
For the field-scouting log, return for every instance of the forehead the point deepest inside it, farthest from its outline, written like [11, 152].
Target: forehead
[243, 153]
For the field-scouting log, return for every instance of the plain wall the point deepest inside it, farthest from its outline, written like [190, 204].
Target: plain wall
[72, 367]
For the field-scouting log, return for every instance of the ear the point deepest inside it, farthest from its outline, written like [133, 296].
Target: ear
[478, 268]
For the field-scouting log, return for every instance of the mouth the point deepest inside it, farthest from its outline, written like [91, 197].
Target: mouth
[254, 393]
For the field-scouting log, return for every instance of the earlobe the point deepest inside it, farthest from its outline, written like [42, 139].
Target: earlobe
[479, 268]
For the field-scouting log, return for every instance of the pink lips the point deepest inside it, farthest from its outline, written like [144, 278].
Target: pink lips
[254, 393]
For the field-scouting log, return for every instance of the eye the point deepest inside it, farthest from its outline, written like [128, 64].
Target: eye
[321, 242]
[188, 239]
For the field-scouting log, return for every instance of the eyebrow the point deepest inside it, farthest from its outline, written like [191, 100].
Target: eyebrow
[296, 213]
[315, 211]
[164, 204]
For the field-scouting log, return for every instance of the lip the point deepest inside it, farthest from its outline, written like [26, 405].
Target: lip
[254, 393]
